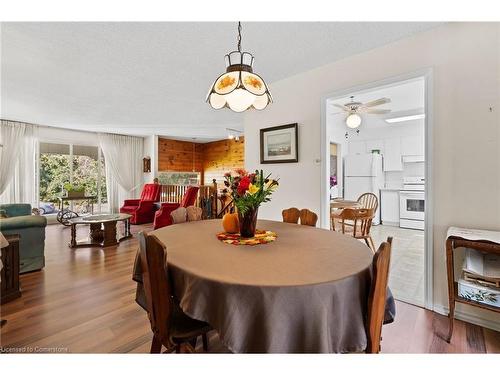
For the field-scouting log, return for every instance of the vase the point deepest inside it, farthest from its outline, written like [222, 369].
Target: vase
[248, 222]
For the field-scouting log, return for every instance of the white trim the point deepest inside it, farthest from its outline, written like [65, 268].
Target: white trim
[469, 318]
[427, 74]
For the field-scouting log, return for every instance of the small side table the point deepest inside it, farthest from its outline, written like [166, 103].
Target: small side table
[9, 285]
[452, 243]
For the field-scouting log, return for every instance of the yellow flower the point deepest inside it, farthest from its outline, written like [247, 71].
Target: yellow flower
[252, 189]
[271, 185]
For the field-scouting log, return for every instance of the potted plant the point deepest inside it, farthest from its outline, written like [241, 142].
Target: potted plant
[74, 191]
[249, 191]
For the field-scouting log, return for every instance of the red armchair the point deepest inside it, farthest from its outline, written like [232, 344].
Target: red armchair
[162, 216]
[143, 209]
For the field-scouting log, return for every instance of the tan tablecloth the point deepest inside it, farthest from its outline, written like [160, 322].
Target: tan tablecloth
[305, 292]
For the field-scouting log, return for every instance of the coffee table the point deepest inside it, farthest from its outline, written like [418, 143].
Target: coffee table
[102, 231]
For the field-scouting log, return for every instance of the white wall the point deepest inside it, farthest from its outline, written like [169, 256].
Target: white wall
[151, 150]
[465, 58]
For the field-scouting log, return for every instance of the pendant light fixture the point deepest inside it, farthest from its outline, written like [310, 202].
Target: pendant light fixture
[239, 88]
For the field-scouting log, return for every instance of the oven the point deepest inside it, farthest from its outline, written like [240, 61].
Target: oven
[411, 209]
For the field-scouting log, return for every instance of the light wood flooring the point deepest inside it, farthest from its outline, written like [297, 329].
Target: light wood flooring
[83, 302]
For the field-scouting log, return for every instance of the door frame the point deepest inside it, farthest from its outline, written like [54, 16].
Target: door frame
[427, 74]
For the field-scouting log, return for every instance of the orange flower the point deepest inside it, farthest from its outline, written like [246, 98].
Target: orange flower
[225, 82]
[252, 81]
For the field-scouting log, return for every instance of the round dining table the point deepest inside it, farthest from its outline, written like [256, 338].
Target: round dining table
[306, 292]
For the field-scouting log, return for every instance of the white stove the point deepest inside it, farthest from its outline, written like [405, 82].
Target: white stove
[412, 203]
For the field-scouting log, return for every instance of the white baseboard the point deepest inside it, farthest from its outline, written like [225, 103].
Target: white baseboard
[469, 318]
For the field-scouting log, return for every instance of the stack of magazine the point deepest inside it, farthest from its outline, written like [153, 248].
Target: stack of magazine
[481, 278]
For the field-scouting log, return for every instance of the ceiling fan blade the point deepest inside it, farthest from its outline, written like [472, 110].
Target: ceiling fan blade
[342, 107]
[374, 103]
[376, 111]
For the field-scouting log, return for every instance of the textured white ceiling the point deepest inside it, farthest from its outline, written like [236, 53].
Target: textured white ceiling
[152, 78]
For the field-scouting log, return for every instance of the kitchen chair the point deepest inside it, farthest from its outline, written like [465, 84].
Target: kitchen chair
[356, 222]
[291, 215]
[170, 326]
[179, 215]
[378, 295]
[194, 213]
[308, 217]
[369, 200]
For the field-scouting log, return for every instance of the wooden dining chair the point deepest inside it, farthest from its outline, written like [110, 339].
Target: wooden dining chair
[356, 222]
[170, 326]
[194, 213]
[378, 295]
[179, 215]
[308, 217]
[291, 215]
[369, 200]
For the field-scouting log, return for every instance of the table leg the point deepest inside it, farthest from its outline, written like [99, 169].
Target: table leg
[109, 234]
[73, 236]
[96, 233]
[451, 286]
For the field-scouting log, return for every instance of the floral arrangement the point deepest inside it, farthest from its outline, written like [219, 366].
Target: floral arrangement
[249, 190]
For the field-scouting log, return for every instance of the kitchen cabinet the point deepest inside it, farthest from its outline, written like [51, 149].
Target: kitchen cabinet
[389, 207]
[392, 155]
[375, 144]
[357, 147]
[413, 145]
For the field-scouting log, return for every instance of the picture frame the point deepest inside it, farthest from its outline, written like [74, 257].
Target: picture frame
[279, 144]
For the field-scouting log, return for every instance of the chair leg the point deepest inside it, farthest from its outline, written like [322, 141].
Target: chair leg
[372, 245]
[205, 342]
[155, 346]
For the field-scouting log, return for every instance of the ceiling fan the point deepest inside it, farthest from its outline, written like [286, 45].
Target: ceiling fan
[353, 120]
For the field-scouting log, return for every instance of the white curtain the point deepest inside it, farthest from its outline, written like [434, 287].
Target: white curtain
[123, 159]
[17, 162]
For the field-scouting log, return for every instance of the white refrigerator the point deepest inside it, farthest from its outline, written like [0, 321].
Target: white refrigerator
[363, 173]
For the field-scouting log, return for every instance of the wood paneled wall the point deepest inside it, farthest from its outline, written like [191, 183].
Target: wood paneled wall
[222, 156]
[179, 156]
[212, 159]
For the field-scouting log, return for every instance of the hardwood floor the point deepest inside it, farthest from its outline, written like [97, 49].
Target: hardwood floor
[83, 302]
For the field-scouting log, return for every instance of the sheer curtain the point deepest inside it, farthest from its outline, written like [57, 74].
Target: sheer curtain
[123, 159]
[17, 162]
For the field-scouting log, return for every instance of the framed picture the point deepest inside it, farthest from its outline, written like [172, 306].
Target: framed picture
[279, 144]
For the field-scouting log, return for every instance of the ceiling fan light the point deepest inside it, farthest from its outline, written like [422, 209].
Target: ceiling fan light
[353, 120]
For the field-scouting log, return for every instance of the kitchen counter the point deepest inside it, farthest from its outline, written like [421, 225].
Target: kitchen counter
[391, 189]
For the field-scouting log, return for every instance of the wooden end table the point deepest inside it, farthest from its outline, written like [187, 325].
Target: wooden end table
[102, 231]
[453, 243]
[10, 287]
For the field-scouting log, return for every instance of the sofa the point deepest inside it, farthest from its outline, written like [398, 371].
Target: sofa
[31, 230]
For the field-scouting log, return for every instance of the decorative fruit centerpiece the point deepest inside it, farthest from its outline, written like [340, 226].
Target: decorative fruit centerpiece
[249, 191]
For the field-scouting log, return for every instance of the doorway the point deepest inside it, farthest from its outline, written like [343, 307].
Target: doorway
[395, 129]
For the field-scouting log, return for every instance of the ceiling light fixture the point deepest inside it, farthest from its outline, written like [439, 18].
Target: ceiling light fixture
[404, 118]
[233, 134]
[239, 88]
[353, 120]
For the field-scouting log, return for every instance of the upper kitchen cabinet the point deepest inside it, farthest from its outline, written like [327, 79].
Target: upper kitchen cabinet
[375, 144]
[412, 145]
[392, 155]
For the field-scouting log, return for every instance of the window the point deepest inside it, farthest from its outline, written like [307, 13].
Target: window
[80, 166]
[179, 178]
